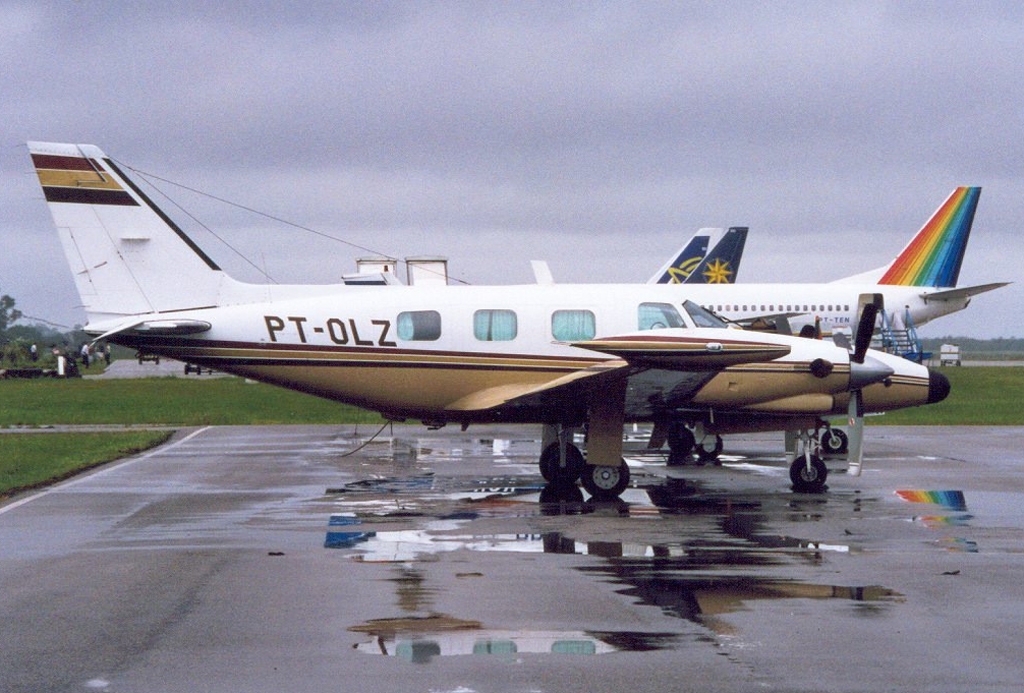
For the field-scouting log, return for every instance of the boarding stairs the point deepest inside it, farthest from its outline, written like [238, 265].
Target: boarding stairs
[898, 335]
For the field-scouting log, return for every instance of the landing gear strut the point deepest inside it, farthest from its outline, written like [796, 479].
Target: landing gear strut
[808, 472]
[680, 443]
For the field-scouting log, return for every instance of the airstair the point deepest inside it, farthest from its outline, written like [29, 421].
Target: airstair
[898, 335]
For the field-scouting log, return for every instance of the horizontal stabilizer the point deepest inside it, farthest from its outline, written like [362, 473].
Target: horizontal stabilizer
[673, 349]
[163, 328]
[964, 292]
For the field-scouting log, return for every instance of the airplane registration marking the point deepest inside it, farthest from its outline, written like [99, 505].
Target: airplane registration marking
[339, 331]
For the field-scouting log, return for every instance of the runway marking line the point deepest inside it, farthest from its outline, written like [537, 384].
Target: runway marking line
[106, 470]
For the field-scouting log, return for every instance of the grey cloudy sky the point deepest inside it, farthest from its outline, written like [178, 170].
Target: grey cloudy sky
[597, 136]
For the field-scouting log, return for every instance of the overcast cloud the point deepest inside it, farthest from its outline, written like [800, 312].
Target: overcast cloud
[597, 136]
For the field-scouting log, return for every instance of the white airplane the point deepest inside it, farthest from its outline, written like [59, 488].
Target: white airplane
[559, 355]
[919, 285]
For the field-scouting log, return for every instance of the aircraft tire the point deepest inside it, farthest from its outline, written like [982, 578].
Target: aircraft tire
[604, 482]
[706, 456]
[552, 471]
[558, 492]
[680, 439]
[834, 441]
[808, 480]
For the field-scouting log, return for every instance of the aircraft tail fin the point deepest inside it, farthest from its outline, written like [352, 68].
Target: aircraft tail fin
[126, 255]
[723, 262]
[934, 255]
[682, 264]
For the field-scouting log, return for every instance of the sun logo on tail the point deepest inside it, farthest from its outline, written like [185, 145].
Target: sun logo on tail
[682, 270]
[717, 272]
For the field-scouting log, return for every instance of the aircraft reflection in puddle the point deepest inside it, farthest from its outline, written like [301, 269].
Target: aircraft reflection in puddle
[950, 500]
[710, 573]
[676, 580]
[419, 640]
[678, 590]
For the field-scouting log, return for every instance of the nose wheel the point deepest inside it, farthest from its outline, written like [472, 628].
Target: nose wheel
[808, 474]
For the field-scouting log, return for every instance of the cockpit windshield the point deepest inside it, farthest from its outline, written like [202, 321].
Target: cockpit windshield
[702, 317]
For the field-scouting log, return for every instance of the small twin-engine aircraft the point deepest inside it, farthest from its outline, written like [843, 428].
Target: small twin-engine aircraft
[560, 355]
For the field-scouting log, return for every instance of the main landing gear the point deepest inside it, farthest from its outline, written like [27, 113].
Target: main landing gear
[684, 443]
[562, 465]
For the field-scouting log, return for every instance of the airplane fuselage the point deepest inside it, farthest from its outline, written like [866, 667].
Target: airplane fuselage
[453, 353]
[835, 305]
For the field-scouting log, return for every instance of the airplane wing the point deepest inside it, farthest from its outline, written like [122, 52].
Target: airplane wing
[655, 348]
[961, 293]
[654, 361]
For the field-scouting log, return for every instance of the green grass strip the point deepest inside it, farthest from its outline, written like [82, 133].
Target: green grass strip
[31, 460]
[979, 396]
[166, 401]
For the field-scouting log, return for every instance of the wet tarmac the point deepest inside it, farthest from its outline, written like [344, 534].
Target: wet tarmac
[309, 558]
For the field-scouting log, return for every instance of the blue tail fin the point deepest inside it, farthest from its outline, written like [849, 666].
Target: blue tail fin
[681, 266]
[723, 262]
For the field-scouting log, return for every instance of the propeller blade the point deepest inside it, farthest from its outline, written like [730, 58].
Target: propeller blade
[868, 307]
[855, 434]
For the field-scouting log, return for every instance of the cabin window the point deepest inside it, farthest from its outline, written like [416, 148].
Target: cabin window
[656, 316]
[573, 325]
[419, 326]
[495, 325]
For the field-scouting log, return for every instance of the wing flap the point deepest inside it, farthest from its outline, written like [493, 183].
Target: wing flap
[504, 394]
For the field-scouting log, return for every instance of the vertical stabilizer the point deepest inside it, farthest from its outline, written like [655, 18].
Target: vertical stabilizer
[676, 270]
[935, 253]
[127, 256]
[934, 256]
[721, 265]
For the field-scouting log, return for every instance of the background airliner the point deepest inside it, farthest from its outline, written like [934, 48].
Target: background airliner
[919, 285]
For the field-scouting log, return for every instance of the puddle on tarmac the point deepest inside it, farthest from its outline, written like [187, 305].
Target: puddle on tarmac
[700, 598]
[712, 553]
[682, 584]
[420, 640]
[952, 507]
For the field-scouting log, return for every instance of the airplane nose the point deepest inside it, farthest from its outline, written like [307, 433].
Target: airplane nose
[938, 386]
